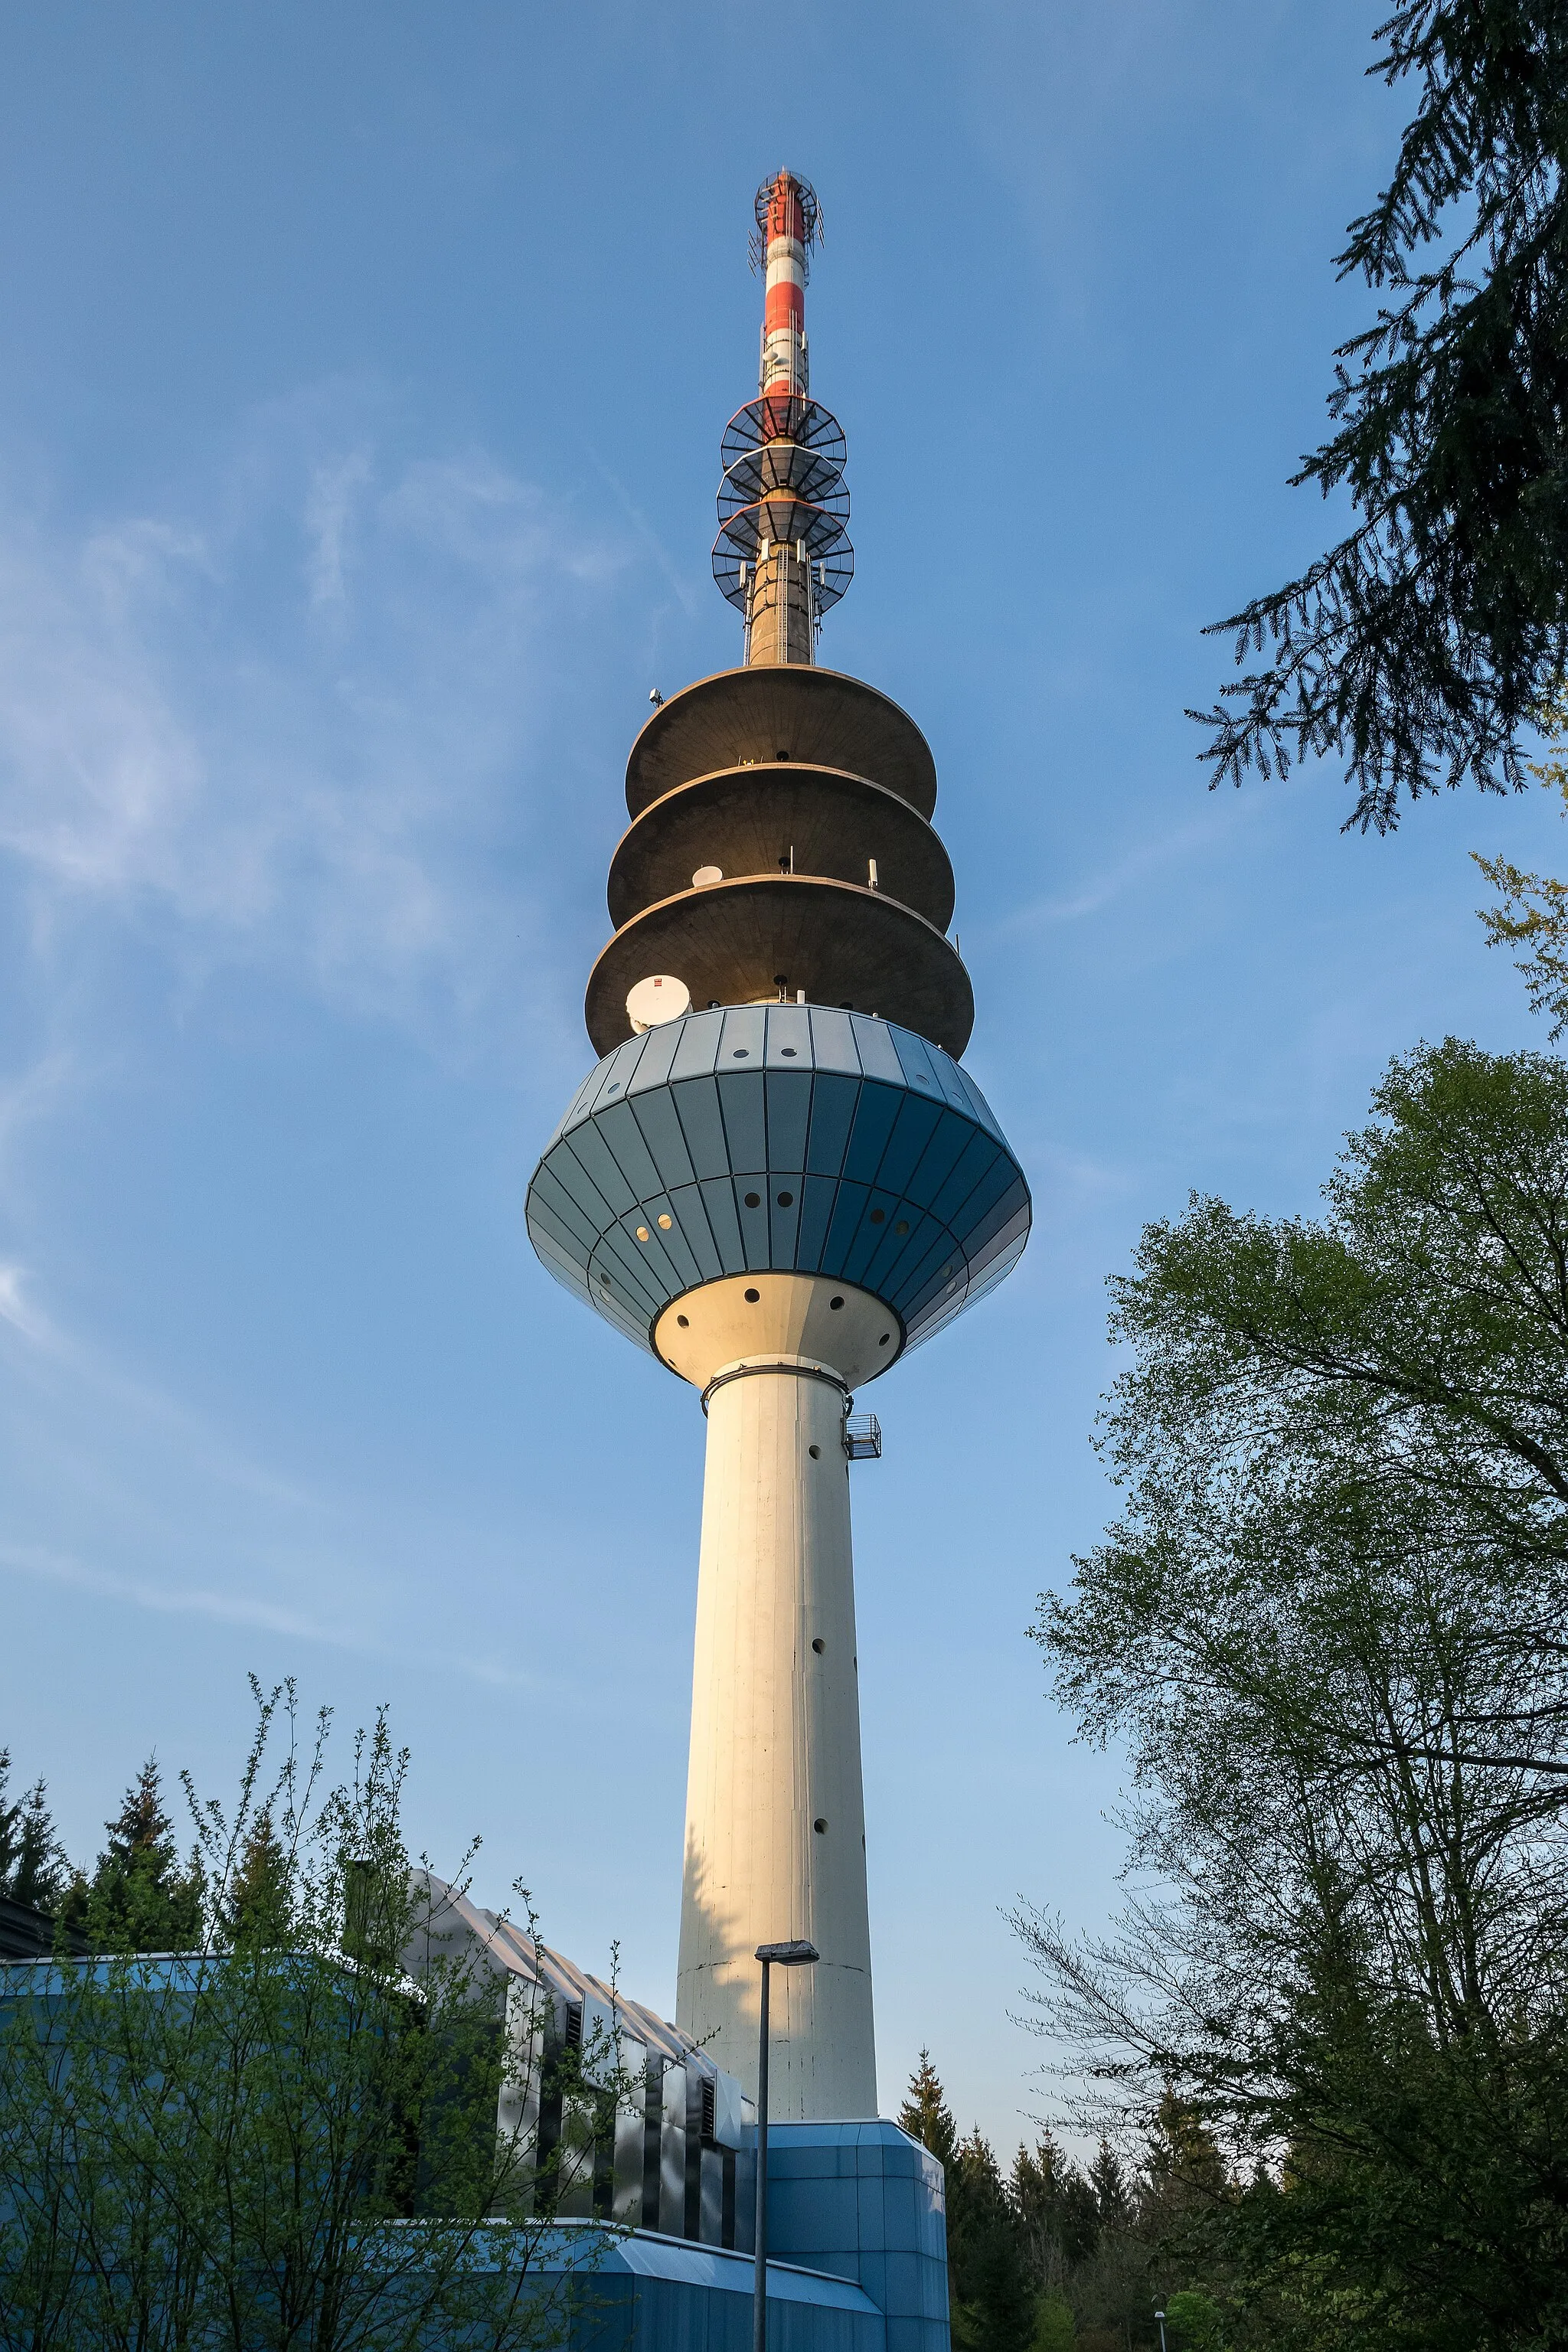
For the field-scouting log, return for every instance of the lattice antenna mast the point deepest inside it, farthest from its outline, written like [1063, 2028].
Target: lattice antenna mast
[783, 555]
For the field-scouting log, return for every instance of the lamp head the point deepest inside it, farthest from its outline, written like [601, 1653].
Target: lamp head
[798, 1955]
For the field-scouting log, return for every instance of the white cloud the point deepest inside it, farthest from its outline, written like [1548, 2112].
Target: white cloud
[308, 771]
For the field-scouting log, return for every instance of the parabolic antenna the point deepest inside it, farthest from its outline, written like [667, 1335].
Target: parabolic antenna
[660, 998]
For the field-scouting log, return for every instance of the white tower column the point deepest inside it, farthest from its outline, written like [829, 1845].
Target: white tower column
[776, 1842]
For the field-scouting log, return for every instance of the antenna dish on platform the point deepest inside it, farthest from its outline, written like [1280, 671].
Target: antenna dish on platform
[653, 1001]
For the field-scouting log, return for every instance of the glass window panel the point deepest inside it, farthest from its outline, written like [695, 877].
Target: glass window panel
[817, 1195]
[873, 1114]
[718, 1199]
[848, 1210]
[672, 1239]
[916, 1060]
[784, 1224]
[833, 1040]
[745, 1128]
[755, 1236]
[558, 1252]
[567, 1213]
[973, 1163]
[618, 1068]
[878, 1059]
[745, 1033]
[789, 1110]
[686, 1207]
[656, 1115]
[632, 1156]
[931, 1170]
[698, 1047]
[660, 1048]
[917, 1115]
[574, 1179]
[833, 1104]
[592, 1153]
[697, 1103]
[789, 1038]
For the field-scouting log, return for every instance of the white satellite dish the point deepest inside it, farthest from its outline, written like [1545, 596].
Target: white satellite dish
[706, 876]
[661, 998]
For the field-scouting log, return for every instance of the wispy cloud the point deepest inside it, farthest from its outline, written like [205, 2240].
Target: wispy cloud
[317, 789]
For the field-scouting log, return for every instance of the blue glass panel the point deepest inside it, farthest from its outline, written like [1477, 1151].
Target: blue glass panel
[654, 1115]
[744, 1036]
[979, 1155]
[698, 1047]
[1013, 1202]
[979, 1108]
[897, 1254]
[816, 1214]
[626, 1276]
[718, 1199]
[784, 1219]
[947, 1078]
[915, 1056]
[578, 1106]
[698, 1105]
[876, 1228]
[940, 1266]
[847, 1212]
[873, 1114]
[833, 1104]
[677, 1245]
[789, 1038]
[570, 1173]
[632, 1157]
[753, 1222]
[689, 1213]
[745, 1129]
[658, 1051]
[833, 1040]
[658, 1275]
[566, 1271]
[553, 1240]
[949, 1138]
[592, 1153]
[877, 1059]
[789, 1109]
[545, 1192]
[617, 1069]
[911, 1132]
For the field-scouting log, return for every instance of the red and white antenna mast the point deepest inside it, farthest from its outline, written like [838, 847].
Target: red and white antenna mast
[783, 556]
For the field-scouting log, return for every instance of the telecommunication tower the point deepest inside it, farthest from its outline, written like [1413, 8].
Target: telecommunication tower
[778, 1180]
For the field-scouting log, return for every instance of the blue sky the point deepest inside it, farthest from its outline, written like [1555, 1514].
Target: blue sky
[363, 370]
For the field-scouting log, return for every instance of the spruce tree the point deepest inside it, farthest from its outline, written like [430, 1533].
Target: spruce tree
[139, 1898]
[257, 1902]
[1420, 647]
[926, 2116]
[32, 1864]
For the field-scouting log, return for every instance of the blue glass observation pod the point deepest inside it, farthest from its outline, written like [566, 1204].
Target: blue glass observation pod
[784, 1139]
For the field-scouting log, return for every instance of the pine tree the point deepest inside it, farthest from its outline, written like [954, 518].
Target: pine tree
[32, 1864]
[926, 2116]
[139, 1899]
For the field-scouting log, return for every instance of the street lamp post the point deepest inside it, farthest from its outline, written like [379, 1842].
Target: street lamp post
[1160, 2318]
[798, 1955]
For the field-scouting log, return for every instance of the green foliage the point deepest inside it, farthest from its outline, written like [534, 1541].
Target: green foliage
[1328, 1630]
[1534, 912]
[32, 1867]
[139, 1898]
[1193, 2322]
[277, 2139]
[926, 2116]
[1419, 647]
